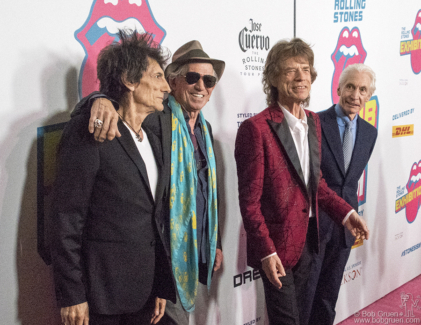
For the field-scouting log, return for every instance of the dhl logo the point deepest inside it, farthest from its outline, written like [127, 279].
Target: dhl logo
[369, 113]
[402, 131]
[408, 46]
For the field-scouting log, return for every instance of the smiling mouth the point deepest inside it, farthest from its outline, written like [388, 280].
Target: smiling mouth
[197, 95]
[349, 50]
[101, 27]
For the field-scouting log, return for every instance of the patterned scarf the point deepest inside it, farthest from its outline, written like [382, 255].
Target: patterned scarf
[184, 251]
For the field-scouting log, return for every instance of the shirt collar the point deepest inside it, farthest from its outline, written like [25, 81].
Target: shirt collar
[291, 119]
[342, 118]
[187, 118]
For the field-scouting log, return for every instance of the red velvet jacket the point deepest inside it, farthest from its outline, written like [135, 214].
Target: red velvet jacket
[274, 199]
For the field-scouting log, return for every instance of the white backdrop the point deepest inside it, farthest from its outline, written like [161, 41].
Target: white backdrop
[39, 82]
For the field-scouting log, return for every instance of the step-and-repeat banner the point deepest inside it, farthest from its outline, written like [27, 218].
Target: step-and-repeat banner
[388, 39]
[49, 61]
[53, 62]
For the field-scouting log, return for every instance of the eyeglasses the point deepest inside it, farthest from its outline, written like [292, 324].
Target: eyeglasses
[193, 77]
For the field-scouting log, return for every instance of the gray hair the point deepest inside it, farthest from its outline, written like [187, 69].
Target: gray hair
[182, 70]
[360, 67]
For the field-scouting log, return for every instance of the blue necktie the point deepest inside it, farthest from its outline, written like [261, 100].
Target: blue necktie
[348, 145]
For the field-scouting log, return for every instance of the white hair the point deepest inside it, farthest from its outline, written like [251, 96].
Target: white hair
[360, 67]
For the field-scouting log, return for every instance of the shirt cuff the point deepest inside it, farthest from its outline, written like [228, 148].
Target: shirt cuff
[267, 256]
[347, 216]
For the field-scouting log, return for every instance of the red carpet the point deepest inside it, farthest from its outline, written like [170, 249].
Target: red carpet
[401, 306]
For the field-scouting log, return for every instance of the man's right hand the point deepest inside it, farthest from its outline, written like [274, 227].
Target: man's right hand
[103, 110]
[75, 315]
[273, 268]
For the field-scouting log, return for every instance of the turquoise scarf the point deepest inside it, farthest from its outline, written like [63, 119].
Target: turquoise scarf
[184, 251]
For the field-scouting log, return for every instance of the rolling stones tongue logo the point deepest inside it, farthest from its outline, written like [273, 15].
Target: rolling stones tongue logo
[416, 35]
[413, 183]
[100, 29]
[349, 50]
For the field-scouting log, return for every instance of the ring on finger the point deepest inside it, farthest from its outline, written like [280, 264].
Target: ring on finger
[98, 123]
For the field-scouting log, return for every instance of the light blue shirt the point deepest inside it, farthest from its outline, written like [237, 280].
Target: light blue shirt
[342, 119]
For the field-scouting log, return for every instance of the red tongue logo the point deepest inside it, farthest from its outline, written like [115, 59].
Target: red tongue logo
[349, 50]
[100, 29]
[413, 183]
[416, 35]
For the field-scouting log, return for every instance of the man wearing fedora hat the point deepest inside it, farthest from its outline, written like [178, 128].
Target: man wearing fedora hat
[190, 212]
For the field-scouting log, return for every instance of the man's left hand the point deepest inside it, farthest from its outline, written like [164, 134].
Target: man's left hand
[357, 226]
[159, 310]
[218, 260]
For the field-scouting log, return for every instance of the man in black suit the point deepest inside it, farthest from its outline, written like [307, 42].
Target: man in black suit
[110, 265]
[347, 144]
[192, 76]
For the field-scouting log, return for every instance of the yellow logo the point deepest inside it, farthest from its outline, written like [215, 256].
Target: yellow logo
[402, 131]
[358, 243]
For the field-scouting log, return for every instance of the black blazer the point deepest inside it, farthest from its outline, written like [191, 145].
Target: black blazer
[333, 168]
[158, 123]
[107, 239]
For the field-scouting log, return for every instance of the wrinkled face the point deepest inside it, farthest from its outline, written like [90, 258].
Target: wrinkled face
[149, 92]
[354, 93]
[294, 81]
[193, 97]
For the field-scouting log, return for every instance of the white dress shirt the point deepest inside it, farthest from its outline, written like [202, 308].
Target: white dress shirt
[146, 153]
[299, 133]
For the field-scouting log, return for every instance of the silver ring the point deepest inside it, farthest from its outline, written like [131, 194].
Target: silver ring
[98, 123]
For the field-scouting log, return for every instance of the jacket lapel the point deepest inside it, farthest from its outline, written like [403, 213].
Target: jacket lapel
[129, 146]
[284, 135]
[165, 121]
[313, 147]
[165, 126]
[331, 129]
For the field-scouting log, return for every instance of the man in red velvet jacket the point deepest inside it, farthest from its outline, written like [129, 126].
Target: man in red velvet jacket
[280, 183]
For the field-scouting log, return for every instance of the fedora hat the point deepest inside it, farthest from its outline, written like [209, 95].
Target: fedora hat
[193, 51]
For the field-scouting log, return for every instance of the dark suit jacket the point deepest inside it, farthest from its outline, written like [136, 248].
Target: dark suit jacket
[160, 124]
[332, 166]
[107, 236]
[274, 199]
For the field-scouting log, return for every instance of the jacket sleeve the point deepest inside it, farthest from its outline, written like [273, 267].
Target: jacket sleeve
[249, 155]
[336, 207]
[78, 162]
[85, 104]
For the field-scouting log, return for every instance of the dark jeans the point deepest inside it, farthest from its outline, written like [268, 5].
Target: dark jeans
[285, 305]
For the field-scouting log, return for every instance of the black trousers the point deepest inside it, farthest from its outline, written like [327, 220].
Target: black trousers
[141, 317]
[285, 305]
[326, 277]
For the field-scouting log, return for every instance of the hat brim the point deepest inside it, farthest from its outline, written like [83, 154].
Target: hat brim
[218, 65]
